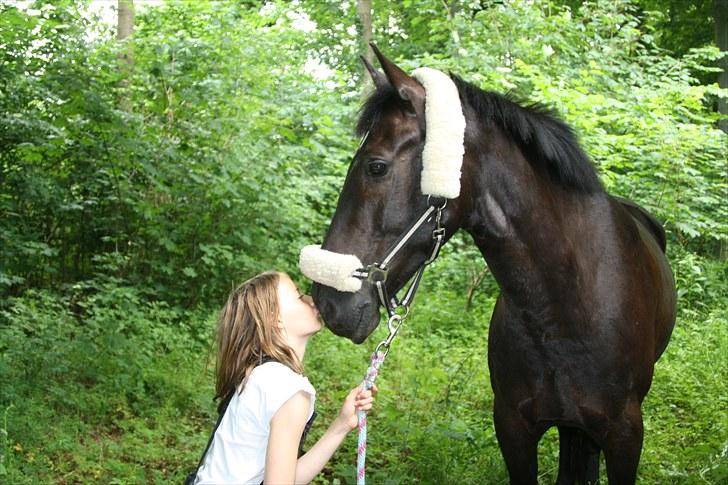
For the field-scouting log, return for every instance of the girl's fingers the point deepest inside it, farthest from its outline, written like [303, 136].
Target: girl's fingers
[360, 391]
[364, 402]
[365, 399]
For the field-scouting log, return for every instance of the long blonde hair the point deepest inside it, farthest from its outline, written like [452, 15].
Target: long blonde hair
[248, 331]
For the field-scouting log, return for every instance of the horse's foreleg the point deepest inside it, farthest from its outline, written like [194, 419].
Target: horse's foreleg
[623, 445]
[518, 443]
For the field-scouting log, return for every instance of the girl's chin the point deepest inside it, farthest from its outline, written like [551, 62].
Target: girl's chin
[317, 327]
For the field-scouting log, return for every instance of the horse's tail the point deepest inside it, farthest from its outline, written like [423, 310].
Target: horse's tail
[646, 219]
[578, 457]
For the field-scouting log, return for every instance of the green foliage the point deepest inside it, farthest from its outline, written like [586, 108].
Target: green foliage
[131, 200]
[98, 373]
[182, 195]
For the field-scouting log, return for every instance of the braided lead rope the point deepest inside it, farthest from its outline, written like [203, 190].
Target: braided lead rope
[372, 372]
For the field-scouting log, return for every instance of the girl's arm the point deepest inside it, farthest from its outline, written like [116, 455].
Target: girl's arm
[286, 429]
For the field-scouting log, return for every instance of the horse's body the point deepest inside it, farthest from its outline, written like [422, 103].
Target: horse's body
[587, 299]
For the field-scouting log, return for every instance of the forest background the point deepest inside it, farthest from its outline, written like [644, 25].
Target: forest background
[150, 165]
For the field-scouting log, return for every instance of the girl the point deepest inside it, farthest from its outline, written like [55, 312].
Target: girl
[262, 336]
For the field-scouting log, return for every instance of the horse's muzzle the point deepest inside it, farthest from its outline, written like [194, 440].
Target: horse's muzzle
[350, 315]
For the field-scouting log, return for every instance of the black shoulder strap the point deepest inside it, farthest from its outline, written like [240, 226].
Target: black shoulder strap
[223, 408]
[221, 413]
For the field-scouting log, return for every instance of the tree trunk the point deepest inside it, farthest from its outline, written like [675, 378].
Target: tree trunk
[720, 14]
[125, 27]
[364, 10]
[452, 10]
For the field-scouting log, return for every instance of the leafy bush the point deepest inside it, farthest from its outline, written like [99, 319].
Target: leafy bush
[93, 369]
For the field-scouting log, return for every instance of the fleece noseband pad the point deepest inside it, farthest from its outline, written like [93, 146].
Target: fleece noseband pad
[329, 268]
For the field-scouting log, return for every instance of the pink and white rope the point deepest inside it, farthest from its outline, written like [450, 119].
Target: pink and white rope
[372, 372]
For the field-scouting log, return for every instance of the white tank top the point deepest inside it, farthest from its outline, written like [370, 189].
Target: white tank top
[238, 449]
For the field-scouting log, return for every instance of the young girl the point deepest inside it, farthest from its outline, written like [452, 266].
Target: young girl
[262, 336]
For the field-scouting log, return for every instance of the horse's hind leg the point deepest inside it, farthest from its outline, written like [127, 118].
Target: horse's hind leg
[518, 443]
[623, 445]
[578, 458]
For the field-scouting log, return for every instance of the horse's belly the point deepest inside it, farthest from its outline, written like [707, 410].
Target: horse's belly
[560, 381]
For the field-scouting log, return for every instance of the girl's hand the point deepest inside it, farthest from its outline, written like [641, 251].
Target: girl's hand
[357, 400]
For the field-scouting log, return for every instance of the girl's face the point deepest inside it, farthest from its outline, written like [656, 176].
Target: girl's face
[298, 313]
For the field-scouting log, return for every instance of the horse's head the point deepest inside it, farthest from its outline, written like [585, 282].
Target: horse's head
[381, 199]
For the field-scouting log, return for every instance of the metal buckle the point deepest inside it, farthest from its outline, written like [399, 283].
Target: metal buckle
[361, 273]
[439, 236]
[376, 274]
[401, 311]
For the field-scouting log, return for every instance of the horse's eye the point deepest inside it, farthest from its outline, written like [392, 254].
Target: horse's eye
[376, 168]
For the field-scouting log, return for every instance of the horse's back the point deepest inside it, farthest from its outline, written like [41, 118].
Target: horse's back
[654, 241]
[645, 218]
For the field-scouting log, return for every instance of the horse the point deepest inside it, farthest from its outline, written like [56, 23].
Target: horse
[587, 298]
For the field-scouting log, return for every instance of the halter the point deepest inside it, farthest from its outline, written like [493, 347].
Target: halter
[377, 273]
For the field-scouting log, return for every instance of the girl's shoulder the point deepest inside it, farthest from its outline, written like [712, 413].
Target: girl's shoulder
[277, 375]
[272, 384]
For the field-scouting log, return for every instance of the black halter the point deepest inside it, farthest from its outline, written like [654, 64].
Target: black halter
[376, 273]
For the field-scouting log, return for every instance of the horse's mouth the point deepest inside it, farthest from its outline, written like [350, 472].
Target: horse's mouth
[350, 315]
[360, 330]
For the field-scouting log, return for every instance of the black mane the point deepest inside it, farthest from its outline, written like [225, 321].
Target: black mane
[544, 138]
[373, 108]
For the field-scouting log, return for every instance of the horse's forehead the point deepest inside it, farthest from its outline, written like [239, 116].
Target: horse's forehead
[392, 126]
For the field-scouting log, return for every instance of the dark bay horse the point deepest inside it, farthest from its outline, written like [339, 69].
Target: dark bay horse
[587, 301]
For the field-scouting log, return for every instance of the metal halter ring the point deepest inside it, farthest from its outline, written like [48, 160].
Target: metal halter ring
[444, 204]
[401, 311]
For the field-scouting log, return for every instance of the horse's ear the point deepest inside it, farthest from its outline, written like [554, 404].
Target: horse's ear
[377, 77]
[405, 85]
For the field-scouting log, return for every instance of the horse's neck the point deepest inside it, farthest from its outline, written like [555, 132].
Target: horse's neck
[526, 227]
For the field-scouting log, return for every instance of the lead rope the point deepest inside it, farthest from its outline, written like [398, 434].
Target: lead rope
[398, 311]
[394, 323]
[361, 457]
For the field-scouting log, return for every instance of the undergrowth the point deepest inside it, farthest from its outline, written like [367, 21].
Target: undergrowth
[99, 385]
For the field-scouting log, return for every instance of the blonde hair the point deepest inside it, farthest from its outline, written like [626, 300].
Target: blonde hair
[248, 331]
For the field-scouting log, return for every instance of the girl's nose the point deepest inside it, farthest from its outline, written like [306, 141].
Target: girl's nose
[308, 300]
